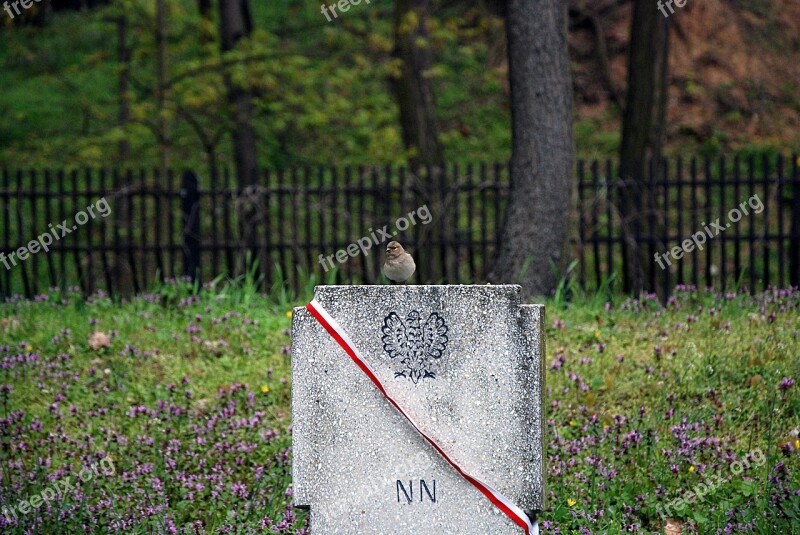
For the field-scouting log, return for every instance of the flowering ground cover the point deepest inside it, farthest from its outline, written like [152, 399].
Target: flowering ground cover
[169, 413]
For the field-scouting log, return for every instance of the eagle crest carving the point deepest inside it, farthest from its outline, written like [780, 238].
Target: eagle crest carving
[415, 344]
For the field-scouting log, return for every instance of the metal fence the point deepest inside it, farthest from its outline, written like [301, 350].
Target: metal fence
[163, 226]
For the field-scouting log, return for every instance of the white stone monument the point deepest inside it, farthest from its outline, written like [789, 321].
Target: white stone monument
[461, 452]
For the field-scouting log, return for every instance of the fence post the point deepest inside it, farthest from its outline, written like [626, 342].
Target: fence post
[190, 207]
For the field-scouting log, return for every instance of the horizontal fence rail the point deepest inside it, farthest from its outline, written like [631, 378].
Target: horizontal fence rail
[287, 226]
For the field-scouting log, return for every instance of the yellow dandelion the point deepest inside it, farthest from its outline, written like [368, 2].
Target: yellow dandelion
[289, 314]
[572, 422]
[596, 333]
[797, 443]
[571, 502]
[691, 469]
[29, 347]
[265, 389]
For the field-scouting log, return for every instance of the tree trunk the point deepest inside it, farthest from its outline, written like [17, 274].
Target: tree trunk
[236, 23]
[123, 102]
[640, 152]
[120, 269]
[206, 9]
[535, 230]
[161, 85]
[413, 92]
[42, 15]
[412, 88]
[162, 98]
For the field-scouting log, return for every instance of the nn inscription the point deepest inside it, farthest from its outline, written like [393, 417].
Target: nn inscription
[408, 495]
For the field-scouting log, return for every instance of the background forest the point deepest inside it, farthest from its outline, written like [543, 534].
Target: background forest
[131, 84]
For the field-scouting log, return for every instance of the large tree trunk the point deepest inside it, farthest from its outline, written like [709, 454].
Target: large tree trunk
[642, 135]
[412, 87]
[541, 160]
[235, 22]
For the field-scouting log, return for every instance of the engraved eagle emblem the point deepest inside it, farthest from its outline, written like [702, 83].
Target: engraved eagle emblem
[415, 344]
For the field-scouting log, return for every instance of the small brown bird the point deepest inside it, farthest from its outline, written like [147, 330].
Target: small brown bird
[399, 264]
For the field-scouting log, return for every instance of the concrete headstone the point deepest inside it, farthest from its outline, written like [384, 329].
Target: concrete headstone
[466, 364]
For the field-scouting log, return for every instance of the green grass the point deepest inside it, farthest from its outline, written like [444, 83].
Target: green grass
[240, 339]
[643, 403]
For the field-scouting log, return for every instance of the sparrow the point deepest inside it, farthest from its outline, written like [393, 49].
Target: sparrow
[399, 264]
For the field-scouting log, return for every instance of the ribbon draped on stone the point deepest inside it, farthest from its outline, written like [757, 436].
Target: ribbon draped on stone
[501, 502]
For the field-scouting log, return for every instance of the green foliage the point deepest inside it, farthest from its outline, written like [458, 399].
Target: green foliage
[712, 147]
[320, 90]
[594, 141]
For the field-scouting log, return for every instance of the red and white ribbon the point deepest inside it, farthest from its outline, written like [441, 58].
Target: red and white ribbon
[501, 502]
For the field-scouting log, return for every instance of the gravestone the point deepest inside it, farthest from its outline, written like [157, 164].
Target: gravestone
[465, 364]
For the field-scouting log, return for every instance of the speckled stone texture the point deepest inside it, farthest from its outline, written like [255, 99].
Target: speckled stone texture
[473, 380]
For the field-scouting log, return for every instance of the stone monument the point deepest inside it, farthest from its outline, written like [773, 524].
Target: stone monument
[418, 409]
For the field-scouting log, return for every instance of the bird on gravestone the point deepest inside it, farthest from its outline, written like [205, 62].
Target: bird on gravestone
[399, 264]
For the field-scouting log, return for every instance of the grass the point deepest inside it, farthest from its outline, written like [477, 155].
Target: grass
[648, 402]
[191, 399]
[167, 400]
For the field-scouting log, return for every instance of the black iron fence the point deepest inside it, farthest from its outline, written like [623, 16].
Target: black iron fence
[291, 224]
[744, 214]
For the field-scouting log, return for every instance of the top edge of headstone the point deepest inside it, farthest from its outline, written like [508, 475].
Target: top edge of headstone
[324, 292]
[398, 287]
